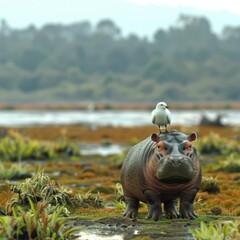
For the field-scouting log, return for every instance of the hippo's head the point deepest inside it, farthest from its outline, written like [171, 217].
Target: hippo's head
[175, 155]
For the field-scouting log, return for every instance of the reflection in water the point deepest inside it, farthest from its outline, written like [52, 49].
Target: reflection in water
[89, 235]
[156, 232]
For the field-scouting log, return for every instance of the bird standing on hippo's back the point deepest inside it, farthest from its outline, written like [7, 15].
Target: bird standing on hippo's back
[161, 116]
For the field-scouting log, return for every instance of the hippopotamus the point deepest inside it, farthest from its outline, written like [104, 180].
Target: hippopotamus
[162, 169]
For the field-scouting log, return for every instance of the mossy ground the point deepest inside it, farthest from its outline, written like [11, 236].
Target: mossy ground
[129, 135]
[99, 175]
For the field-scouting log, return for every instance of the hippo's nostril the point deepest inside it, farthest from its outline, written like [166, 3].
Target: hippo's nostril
[189, 155]
[174, 160]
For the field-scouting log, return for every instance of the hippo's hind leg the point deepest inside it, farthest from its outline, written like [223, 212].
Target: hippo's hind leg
[170, 209]
[132, 205]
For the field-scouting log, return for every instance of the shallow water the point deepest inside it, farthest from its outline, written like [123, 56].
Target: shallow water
[115, 118]
[100, 149]
[100, 235]
[90, 234]
[123, 231]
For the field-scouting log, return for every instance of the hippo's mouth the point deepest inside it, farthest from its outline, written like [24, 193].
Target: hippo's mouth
[176, 179]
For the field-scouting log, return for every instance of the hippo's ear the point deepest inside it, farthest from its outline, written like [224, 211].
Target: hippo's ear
[192, 137]
[155, 137]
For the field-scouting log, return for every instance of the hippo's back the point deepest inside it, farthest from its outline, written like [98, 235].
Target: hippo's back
[132, 176]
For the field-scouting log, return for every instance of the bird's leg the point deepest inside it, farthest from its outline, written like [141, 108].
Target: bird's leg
[166, 128]
[163, 129]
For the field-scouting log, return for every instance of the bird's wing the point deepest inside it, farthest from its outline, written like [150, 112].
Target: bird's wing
[153, 116]
[169, 119]
[168, 116]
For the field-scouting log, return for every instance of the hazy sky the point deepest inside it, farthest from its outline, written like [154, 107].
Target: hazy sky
[142, 17]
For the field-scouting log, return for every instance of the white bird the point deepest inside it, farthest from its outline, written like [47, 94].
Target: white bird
[161, 116]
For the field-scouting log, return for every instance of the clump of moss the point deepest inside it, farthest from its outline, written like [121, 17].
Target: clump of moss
[40, 188]
[216, 144]
[237, 212]
[237, 178]
[230, 164]
[210, 185]
[216, 211]
[37, 208]
[16, 147]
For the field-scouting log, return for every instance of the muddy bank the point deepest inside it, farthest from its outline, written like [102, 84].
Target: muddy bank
[121, 228]
[126, 229]
[83, 133]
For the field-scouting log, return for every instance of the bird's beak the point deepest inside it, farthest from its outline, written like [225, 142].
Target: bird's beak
[167, 107]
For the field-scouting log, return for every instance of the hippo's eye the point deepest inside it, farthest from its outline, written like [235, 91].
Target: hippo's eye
[161, 146]
[187, 147]
[164, 147]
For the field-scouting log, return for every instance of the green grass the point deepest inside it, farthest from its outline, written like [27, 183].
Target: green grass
[228, 230]
[36, 223]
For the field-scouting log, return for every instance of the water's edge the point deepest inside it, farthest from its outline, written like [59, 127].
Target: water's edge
[18, 118]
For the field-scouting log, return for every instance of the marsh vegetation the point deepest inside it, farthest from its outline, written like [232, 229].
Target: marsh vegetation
[62, 193]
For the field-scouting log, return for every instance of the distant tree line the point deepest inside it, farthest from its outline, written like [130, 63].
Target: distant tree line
[77, 62]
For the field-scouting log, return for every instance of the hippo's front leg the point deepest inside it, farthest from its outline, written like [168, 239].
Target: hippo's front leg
[186, 204]
[132, 205]
[154, 205]
[170, 208]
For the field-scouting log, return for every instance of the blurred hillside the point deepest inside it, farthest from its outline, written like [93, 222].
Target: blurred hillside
[78, 62]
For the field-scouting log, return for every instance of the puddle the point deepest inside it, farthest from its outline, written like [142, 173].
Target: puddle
[126, 234]
[125, 229]
[90, 235]
[101, 149]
